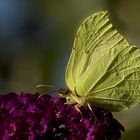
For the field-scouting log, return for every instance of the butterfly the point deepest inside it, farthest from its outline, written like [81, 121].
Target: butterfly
[103, 69]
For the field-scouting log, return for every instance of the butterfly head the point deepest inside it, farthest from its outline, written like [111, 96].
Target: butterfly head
[64, 92]
[71, 97]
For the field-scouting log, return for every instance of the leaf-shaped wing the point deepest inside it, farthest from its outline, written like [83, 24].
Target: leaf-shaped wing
[114, 81]
[95, 37]
[103, 67]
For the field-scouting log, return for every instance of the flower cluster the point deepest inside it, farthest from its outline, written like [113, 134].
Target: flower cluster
[34, 117]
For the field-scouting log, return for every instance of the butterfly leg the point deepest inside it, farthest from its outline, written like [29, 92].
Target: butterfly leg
[91, 110]
[78, 110]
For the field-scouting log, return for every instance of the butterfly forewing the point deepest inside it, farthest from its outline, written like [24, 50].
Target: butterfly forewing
[95, 36]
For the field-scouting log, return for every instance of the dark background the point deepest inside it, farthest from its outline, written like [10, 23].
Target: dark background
[36, 39]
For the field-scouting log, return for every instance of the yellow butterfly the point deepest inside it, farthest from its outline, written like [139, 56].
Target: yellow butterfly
[103, 69]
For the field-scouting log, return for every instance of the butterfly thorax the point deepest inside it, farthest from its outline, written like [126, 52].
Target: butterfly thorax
[72, 97]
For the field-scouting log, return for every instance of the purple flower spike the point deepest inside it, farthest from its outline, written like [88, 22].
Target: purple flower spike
[28, 117]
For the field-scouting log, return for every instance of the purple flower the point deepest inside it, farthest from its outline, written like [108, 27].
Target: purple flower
[28, 117]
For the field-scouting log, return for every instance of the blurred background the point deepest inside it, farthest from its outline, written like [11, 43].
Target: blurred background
[36, 39]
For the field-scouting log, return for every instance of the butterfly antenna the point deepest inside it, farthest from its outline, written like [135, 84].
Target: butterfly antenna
[49, 92]
[46, 86]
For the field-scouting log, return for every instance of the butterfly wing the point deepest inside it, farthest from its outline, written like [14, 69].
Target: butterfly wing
[114, 81]
[95, 36]
[103, 67]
